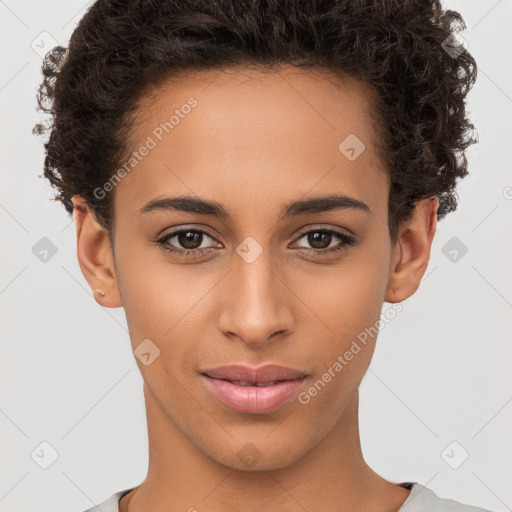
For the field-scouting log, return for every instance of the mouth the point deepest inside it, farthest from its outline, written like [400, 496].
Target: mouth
[257, 384]
[246, 375]
[254, 391]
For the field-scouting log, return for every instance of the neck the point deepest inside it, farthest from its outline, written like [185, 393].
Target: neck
[330, 476]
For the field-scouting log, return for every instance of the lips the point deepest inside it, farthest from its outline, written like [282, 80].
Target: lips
[244, 375]
[254, 390]
[257, 384]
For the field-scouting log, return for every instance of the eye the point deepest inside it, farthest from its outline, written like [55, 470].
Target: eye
[187, 242]
[321, 238]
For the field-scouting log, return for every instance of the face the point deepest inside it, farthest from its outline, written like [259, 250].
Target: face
[249, 279]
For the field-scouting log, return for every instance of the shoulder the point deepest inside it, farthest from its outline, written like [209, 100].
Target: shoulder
[423, 499]
[111, 504]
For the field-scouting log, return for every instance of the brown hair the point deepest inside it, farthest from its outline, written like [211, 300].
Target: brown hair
[123, 48]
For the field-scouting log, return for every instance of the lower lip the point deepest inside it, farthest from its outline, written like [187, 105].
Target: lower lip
[253, 399]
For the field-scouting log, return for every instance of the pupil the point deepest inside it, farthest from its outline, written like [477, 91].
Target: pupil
[314, 239]
[186, 238]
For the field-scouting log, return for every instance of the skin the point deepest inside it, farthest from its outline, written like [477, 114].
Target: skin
[254, 142]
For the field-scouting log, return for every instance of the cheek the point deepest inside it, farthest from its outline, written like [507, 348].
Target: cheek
[146, 293]
[162, 301]
[349, 303]
[348, 300]
[348, 297]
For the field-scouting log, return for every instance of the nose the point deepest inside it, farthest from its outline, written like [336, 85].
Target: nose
[257, 303]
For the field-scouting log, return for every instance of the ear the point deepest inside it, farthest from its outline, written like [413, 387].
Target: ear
[95, 255]
[411, 252]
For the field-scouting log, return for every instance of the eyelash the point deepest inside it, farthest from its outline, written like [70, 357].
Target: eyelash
[347, 242]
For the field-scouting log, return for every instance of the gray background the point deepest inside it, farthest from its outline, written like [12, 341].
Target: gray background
[440, 373]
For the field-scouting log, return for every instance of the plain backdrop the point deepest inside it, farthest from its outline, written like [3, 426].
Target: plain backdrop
[436, 403]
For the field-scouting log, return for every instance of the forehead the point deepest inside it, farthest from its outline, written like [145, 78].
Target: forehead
[246, 132]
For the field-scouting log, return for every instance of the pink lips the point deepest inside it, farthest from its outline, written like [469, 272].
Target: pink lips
[254, 390]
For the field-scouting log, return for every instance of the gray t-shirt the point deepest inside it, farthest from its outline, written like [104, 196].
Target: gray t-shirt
[421, 499]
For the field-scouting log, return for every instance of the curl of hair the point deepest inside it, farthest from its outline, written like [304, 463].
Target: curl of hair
[121, 49]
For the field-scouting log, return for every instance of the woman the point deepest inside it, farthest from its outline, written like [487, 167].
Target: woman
[251, 181]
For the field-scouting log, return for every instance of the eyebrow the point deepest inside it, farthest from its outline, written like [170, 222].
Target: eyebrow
[200, 206]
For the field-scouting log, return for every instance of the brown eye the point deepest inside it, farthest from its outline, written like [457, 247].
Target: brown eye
[321, 239]
[186, 242]
[189, 239]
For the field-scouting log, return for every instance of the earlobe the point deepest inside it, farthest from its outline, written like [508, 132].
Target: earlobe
[411, 253]
[95, 255]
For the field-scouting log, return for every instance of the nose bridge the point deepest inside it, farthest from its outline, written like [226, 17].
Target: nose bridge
[256, 305]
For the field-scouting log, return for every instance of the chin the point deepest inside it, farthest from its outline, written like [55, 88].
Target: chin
[262, 455]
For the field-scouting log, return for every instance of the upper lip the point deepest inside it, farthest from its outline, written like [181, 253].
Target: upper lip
[266, 373]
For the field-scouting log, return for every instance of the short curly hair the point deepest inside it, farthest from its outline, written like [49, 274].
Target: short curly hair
[121, 49]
